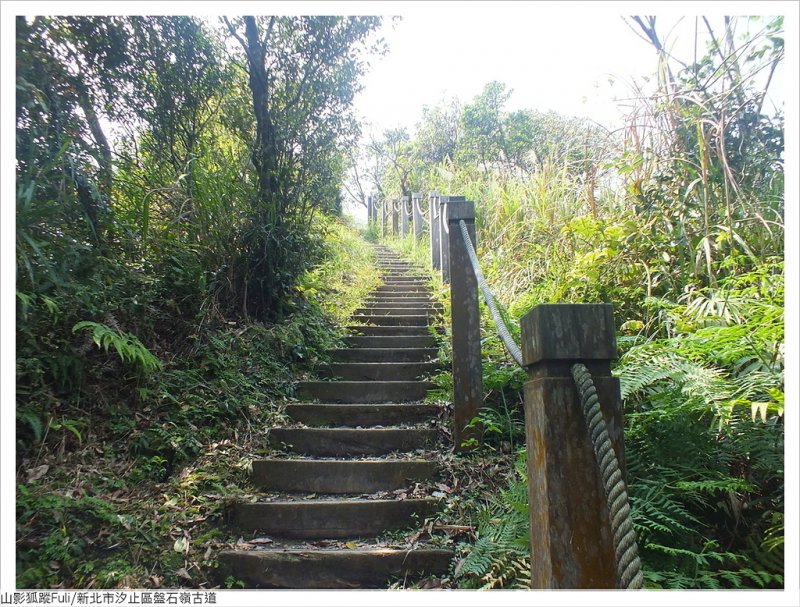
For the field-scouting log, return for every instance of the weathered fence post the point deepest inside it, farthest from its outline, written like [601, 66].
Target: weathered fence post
[444, 241]
[466, 327]
[384, 217]
[395, 217]
[404, 215]
[436, 230]
[416, 212]
[571, 540]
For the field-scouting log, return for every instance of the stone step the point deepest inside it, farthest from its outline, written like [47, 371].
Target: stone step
[318, 519]
[331, 568]
[384, 355]
[351, 442]
[357, 330]
[364, 391]
[405, 278]
[370, 414]
[332, 476]
[406, 302]
[400, 288]
[397, 311]
[391, 371]
[391, 341]
[405, 320]
[401, 301]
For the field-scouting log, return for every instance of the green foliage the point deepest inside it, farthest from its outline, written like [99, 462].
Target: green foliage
[677, 220]
[500, 556]
[128, 346]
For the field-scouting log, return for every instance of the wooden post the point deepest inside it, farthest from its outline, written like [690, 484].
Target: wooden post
[467, 368]
[444, 241]
[571, 540]
[404, 215]
[416, 212]
[395, 217]
[436, 230]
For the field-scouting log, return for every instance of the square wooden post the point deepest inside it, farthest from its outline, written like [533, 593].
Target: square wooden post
[416, 213]
[466, 323]
[445, 238]
[404, 215]
[571, 540]
[436, 230]
[395, 217]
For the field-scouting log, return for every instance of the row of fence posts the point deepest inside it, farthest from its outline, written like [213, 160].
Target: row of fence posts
[571, 541]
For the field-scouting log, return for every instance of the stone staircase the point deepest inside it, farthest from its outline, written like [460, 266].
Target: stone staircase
[350, 467]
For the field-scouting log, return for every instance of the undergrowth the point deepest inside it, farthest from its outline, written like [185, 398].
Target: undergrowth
[126, 466]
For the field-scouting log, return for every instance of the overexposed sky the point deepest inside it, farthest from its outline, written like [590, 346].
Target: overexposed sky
[578, 59]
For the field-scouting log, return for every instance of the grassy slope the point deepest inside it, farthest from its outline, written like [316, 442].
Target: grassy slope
[133, 494]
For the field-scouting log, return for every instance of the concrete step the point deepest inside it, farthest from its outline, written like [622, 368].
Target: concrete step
[384, 355]
[318, 519]
[405, 278]
[370, 414]
[406, 302]
[391, 341]
[399, 302]
[418, 310]
[405, 320]
[331, 568]
[364, 391]
[400, 288]
[391, 371]
[351, 442]
[357, 330]
[332, 476]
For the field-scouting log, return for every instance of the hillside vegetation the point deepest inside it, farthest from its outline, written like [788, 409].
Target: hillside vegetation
[677, 220]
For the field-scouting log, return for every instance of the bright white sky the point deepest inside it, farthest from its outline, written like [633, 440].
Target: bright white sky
[554, 55]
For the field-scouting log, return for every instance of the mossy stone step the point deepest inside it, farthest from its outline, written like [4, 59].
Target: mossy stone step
[378, 355]
[391, 341]
[322, 519]
[336, 477]
[405, 320]
[347, 442]
[371, 414]
[391, 371]
[331, 568]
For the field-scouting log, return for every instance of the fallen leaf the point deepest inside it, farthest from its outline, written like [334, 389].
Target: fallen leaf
[444, 487]
[351, 545]
[261, 540]
[180, 545]
[182, 573]
[34, 474]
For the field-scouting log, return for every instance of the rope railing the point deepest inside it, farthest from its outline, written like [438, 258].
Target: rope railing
[626, 552]
[502, 330]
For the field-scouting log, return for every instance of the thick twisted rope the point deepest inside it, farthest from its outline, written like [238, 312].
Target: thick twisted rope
[626, 552]
[502, 329]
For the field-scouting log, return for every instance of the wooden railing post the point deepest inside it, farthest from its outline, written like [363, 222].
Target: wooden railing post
[571, 540]
[395, 217]
[436, 230]
[404, 215]
[444, 241]
[466, 324]
[416, 213]
[384, 217]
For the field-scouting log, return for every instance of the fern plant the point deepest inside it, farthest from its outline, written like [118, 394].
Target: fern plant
[500, 557]
[128, 346]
